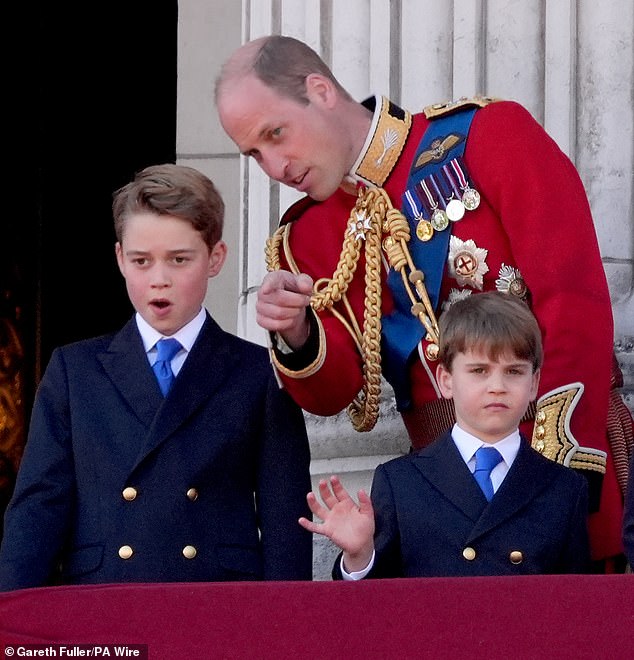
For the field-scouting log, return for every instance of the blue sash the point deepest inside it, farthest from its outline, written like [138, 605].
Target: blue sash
[446, 138]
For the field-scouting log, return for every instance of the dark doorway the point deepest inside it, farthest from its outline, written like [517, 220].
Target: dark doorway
[91, 94]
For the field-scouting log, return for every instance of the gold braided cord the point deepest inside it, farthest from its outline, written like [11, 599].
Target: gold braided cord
[364, 409]
[400, 259]
[272, 249]
[350, 322]
[331, 291]
[272, 256]
[371, 217]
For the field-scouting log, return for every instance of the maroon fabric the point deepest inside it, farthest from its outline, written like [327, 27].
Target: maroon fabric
[568, 616]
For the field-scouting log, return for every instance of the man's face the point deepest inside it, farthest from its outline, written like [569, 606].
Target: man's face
[301, 146]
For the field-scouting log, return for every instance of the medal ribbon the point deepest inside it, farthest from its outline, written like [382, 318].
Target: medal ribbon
[432, 202]
[415, 212]
[450, 179]
[459, 173]
[442, 196]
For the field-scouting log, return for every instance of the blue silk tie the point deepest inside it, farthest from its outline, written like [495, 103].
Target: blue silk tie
[486, 459]
[167, 349]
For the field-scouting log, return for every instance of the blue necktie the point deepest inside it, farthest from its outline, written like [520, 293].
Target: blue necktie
[486, 459]
[167, 349]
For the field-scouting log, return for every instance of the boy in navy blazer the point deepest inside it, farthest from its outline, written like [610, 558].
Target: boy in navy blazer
[121, 482]
[428, 515]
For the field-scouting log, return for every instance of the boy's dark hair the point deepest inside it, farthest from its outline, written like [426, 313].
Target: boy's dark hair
[175, 190]
[494, 322]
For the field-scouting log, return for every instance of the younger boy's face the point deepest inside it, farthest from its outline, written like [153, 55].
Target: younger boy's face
[490, 396]
[166, 266]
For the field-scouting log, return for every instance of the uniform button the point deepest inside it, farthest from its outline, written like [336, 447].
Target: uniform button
[189, 552]
[516, 557]
[469, 554]
[192, 494]
[129, 493]
[125, 552]
[431, 352]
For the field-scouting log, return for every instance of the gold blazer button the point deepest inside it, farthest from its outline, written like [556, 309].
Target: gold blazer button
[469, 554]
[516, 557]
[189, 552]
[129, 493]
[125, 552]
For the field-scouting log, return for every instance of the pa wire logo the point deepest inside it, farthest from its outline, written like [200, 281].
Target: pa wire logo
[137, 651]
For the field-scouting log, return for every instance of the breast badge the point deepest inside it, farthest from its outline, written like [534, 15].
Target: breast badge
[467, 262]
[454, 295]
[510, 280]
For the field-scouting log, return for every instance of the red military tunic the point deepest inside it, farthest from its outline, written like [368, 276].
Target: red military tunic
[534, 220]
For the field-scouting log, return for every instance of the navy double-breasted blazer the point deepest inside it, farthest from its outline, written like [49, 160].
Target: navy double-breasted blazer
[118, 484]
[432, 519]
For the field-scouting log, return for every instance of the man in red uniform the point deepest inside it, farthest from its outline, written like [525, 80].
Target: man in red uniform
[488, 201]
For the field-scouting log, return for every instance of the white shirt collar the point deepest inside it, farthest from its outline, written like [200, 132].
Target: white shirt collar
[186, 335]
[468, 444]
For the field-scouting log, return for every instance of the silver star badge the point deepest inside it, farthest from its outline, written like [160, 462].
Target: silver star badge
[360, 225]
[467, 262]
[510, 280]
[454, 295]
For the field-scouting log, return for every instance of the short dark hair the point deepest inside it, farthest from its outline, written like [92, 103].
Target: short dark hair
[175, 190]
[281, 63]
[493, 321]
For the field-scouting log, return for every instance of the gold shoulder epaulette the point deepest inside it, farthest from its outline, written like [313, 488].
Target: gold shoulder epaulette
[441, 109]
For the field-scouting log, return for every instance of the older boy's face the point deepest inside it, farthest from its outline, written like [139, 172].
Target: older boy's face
[490, 397]
[166, 266]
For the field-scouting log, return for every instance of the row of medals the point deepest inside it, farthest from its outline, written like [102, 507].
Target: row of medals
[454, 210]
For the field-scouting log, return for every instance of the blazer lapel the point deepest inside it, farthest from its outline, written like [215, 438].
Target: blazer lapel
[442, 465]
[126, 364]
[524, 481]
[206, 368]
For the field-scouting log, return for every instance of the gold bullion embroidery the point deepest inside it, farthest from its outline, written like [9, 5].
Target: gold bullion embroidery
[385, 146]
[552, 436]
[440, 109]
[437, 149]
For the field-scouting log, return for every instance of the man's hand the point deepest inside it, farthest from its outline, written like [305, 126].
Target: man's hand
[281, 306]
[348, 525]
